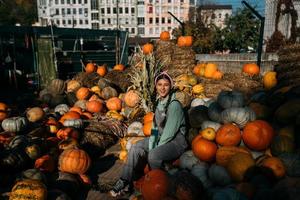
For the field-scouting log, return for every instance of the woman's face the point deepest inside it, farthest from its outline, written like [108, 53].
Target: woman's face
[163, 87]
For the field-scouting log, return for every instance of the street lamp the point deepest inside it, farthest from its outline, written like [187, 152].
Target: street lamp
[53, 42]
[180, 22]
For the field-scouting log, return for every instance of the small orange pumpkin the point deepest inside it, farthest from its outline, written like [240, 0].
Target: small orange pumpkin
[69, 115]
[114, 103]
[148, 48]
[199, 69]
[3, 115]
[251, 69]
[102, 70]
[67, 132]
[185, 41]
[276, 165]
[3, 106]
[204, 149]
[94, 106]
[131, 98]
[90, 68]
[164, 36]
[83, 93]
[218, 75]
[269, 80]
[210, 69]
[119, 67]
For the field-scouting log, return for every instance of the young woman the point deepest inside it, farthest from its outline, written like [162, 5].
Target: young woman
[167, 141]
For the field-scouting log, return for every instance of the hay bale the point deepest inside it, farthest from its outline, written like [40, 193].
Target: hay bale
[121, 79]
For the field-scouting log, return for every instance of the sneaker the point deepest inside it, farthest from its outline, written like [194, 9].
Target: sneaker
[120, 187]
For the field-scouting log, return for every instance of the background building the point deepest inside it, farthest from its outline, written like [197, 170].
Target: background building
[215, 14]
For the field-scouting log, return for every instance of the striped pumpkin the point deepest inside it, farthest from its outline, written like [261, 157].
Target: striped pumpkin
[74, 161]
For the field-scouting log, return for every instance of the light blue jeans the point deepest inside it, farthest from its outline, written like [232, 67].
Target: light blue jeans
[139, 154]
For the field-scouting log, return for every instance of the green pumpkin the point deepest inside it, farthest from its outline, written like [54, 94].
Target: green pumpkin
[197, 115]
[14, 124]
[33, 174]
[219, 175]
[57, 86]
[230, 99]
[239, 116]
[214, 112]
[33, 151]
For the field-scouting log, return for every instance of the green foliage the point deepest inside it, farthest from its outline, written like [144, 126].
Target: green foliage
[241, 32]
[23, 12]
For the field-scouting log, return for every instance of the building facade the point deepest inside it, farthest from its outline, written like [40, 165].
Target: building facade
[215, 14]
[142, 18]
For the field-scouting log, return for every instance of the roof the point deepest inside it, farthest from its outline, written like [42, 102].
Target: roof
[216, 7]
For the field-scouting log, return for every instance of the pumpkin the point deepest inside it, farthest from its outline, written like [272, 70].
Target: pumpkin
[198, 89]
[276, 165]
[287, 131]
[219, 175]
[96, 89]
[200, 172]
[62, 109]
[148, 117]
[135, 129]
[132, 98]
[57, 86]
[75, 123]
[147, 128]
[224, 154]
[109, 92]
[261, 111]
[79, 104]
[119, 67]
[211, 124]
[3, 115]
[230, 99]
[33, 151]
[33, 174]
[197, 115]
[115, 115]
[185, 41]
[14, 124]
[69, 143]
[214, 112]
[288, 111]
[291, 162]
[83, 93]
[251, 69]
[210, 69]
[67, 132]
[269, 80]
[28, 189]
[164, 36]
[208, 133]
[74, 161]
[258, 135]
[187, 160]
[94, 106]
[45, 163]
[77, 109]
[86, 115]
[35, 114]
[228, 135]
[282, 144]
[239, 116]
[73, 85]
[199, 69]
[204, 149]
[148, 48]
[90, 68]
[155, 185]
[217, 75]
[69, 115]
[102, 70]
[114, 103]
[3, 106]
[238, 165]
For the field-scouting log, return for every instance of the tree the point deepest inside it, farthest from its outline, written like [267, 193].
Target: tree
[23, 12]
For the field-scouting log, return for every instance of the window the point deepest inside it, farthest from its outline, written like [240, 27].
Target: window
[141, 20]
[57, 22]
[62, 1]
[115, 10]
[140, 3]
[79, 1]
[63, 22]
[126, 10]
[69, 21]
[86, 11]
[95, 16]
[226, 15]
[157, 10]
[86, 21]
[163, 20]
[169, 21]
[85, 1]
[80, 21]
[57, 11]
[63, 11]
[120, 10]
[68, 2]
[150, 20]
[103, 21]
[94, 5]
[150, 9]
[141, 31]
[95, 26]
[132, 10]
[132, 30]
[69, 11]
[157, 20]
[181, 1]
[108, 21]
[74, 11]
[74, 21]
[80, 11]
[56, 2]
[102, 11]
[107, 10]
[220, 15]
[74, 1]
[156, 30]
[151, 31]
[126, 21]
[169, 1]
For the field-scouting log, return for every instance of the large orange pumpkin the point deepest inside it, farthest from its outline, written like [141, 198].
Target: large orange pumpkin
[75, 161]
[114, 103]
[90, 68]
[228, 135]
[155, 185]
[164, 36]
[148, 48]
[276, 165]
[69, 115]
[102, 70]
[251, 69]
[258, 135]
[132, 98]
[119, 67]
[204, 149]
[94, 106]
[83, 93]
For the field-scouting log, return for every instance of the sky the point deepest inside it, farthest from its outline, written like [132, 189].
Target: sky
[259, 5]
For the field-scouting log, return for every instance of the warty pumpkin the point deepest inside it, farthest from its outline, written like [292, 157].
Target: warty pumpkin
[132, 98]
[14, 124]
[73, 85]
[35, 114]
[28, 189]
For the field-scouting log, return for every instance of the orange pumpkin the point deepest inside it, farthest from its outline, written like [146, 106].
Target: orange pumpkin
[131, 98]
[148, 48]
[155, 185]
[185, 41]
[94, 106]
[225, 153]
[86, 115]
[3, 106]
[147, 128]
[90, 68]
[114, 103]
[228, 135]
[199, 69]
[251, 69]
[119, 67]
[67, 132]
[83, 93]
[3, 115]
[204, 149]
[276, 165]
[148, 117]
[217, 75]
[164, 36]
[269, 80]
[76, 109]
[102, 70]
[258, 135]
[45, 163]
[210, 69]
[75, 161]
[69, 115]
